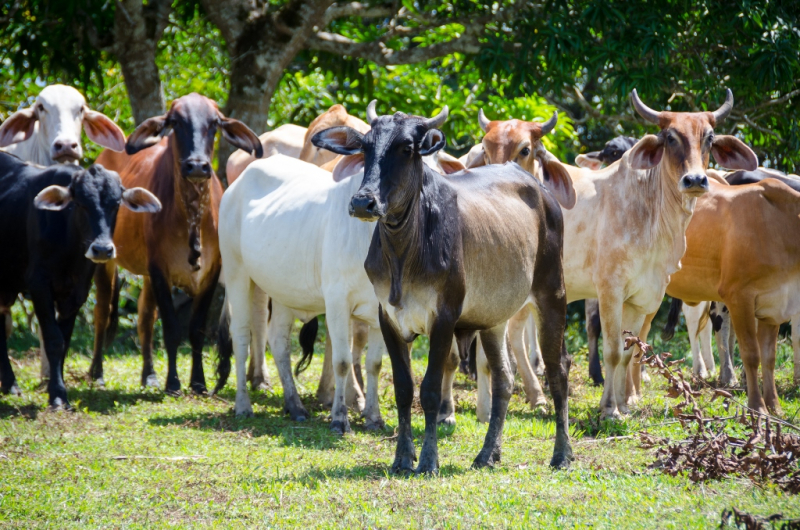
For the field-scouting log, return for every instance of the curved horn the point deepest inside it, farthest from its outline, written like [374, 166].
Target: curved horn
[550, 124]
[483, 121]
[722, 112]
[438, 120]
[643, 110]
[371, 114]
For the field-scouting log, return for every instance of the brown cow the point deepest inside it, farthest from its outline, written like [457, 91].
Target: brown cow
[285, 140]
[177, 247]
[735, 255]
[625, 235]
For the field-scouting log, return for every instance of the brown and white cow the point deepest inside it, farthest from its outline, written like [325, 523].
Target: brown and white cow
[625, 235]
[177, 247]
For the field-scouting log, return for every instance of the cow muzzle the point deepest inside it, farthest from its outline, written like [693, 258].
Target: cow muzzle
[365, 206]
[694, 184]
[197, 169]
[101, 251]
[65, 151]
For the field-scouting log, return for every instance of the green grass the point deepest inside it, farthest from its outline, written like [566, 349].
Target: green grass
[58, 470]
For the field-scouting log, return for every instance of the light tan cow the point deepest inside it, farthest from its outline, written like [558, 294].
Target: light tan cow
[624, 236]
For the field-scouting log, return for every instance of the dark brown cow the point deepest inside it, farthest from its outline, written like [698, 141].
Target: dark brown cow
[177, 247]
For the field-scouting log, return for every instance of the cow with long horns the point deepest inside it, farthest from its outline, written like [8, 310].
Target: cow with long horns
[625, 235]
[456, 256]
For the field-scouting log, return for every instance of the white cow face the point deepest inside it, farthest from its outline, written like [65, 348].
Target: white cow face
[56, 118]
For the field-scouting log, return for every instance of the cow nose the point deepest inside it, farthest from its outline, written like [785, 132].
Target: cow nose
[101, 251]
[695, 182]
[363, 206]
[65, 149]
[196, 168]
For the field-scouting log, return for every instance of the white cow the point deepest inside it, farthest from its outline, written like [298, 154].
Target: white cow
[49, 132]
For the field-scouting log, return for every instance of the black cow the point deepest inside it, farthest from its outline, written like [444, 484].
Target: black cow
[613, 151]
[457, 255]
[55, 224]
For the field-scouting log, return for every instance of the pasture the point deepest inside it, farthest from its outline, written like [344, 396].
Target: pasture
[134, 458]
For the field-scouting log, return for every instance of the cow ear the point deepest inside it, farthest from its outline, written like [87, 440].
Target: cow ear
[449, 164]
[102, 131]
[239, 135]
[732, 153]
[556, 178]
[341, 140]
[432, 141]
[147, 134]
[589, 161]
[53, 198]
[476, 158]
[647, 152]
[18, 127]
[348, 166]
[141, 200]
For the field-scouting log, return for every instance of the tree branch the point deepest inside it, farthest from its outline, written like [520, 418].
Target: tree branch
[356, 9]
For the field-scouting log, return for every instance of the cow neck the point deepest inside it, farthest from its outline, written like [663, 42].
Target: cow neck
[670, 213]
[192, 201]
[414, 242]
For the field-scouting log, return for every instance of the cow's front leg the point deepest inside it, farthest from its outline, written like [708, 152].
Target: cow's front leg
[337, 315]
[483, 407]
[724, 336]
[610, 303]
[796, 347]
[326, 387]
[44, 306]
[239, 294]
[430, 393]
[768, 343]
[405, 453]
[279, 337]
[197, 334]
[743, 318]
[372, 408]
[147, 314]
[447, 410]
[494, 346]
[8, 382]
[694, 317]
[259, 318]
[360, 340]
[162, 292]
[104, 279]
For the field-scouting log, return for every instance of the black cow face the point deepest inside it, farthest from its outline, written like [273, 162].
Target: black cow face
[194, 120]
[393, 167]
[613, 150]
[99, 193]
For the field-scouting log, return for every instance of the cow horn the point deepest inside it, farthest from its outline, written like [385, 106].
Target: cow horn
[550, 124]
[722, 112]
[371, 114]
[438, 120]
[483, 121]
[643, 110]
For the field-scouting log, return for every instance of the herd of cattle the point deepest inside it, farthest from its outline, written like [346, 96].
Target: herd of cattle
[480, 253]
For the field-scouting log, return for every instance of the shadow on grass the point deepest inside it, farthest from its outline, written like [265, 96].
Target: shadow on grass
[29, 412]
[368, 472]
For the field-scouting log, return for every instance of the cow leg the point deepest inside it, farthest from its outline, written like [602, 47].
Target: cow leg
[360, 340]
[796, 347]
[723, 334]
[593, 329]
[326, 387]
[339, 327]
[532, 344]
[447, 411]
[197, 335]
[353, 390]
[372, 409]
[634, 383]
[162, 291]
[8, 382]
[742, 313]
[483, 408]
[516, 327]
[44, 363]
[44, 306]
[147, 314]
[616, 316]
[430, 392]
[239, 293]
[494, 347]
[104, 285]
[405, 453]
[768, 344]
[259, 321]
[705, 340]
[279, 336]
[694, 316]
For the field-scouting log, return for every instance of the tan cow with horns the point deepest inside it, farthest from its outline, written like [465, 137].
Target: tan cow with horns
[625, 235]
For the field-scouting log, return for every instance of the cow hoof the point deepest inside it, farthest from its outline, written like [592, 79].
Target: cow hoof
[427, 468]
[561, 460]
[340, 427]
[244, 412]
[610, 414]
[173, 393]
[297, 413]
[199, 389]
[375, 425]
[486, 460]
[645, 377]
[59, 405]
[447, 421]
[100, 382]
[403, 466]
[151, 381]
[260, 387]
[11, 390]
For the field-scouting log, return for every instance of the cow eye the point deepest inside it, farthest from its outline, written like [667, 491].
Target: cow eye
[671, 140]
[408, 149]
[40, 107]
[525, 151]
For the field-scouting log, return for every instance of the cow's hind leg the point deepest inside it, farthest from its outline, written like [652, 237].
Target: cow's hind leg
[447, 410]
[372, 409]
[279, 336]
[8, 382]
[743, 318]
[162, 292]
[768, 343]
[593, 330]
[494, 346]
[634, 383]
[146, 321]
[796, 347]
[104, 278]
[239, 294]
[326, 387]
[516, 327]
[483, 408]
[259, 322]
[197, 334]
[405, 453]
[724, 336]
[360, 340]
[532, 346]
[339, 328]
[694, 317]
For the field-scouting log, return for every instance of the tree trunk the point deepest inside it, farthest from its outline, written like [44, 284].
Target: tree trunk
[138, 27]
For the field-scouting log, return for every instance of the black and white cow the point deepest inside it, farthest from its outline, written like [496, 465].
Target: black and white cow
[55, 224]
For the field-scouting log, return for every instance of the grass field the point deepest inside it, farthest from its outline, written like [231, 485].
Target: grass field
[135, 458]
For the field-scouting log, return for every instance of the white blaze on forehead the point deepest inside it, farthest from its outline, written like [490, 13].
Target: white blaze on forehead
[60, 112]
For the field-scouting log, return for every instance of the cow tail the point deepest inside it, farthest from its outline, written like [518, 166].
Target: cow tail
[673, 319]
[308, 335]
[224, 348]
